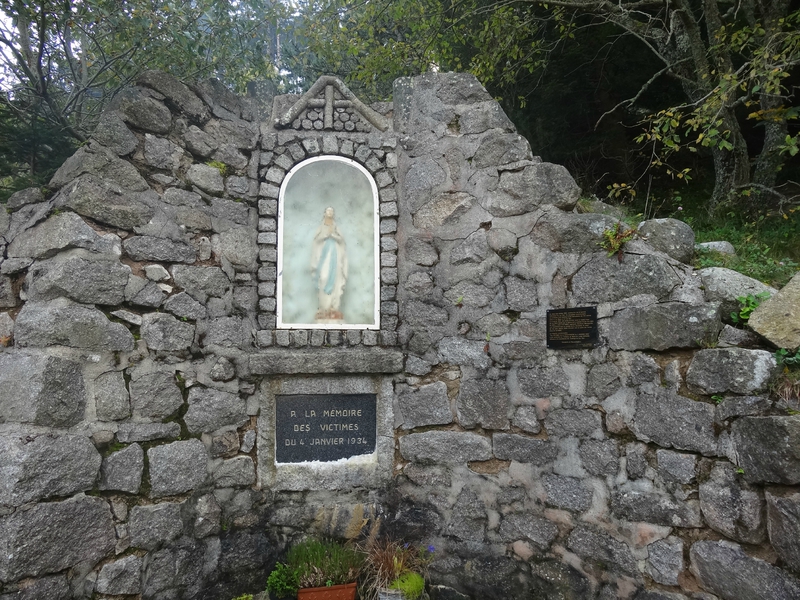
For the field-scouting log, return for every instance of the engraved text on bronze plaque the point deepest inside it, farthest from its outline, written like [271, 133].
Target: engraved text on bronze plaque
[572, 328]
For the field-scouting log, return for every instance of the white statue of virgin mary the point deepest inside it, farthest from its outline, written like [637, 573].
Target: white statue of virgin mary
[329, 269]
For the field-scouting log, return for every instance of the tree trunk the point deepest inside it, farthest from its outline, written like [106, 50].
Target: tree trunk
[770, 159]
[731, 167]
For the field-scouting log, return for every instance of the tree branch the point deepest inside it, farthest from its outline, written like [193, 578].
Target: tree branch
[783, 198]
[642, 90]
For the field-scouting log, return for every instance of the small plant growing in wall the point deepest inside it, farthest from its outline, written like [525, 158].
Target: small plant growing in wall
[223, 169]
[787, 383]
[747, 304]
[788, 359]
[615, 238]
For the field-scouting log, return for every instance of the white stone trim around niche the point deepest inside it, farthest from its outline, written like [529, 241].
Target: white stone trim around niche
[285, 318]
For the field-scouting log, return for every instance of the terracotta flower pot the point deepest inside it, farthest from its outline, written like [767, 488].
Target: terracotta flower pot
[334, 592]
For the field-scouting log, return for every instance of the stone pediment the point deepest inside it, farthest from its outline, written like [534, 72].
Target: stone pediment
[330, 105]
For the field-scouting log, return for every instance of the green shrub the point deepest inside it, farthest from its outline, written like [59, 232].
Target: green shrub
[283, 581]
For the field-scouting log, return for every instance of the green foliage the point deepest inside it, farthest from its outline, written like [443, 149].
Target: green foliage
[388, 561]
[767, 243]
[754, 262]
[718, 399]
[585, 204]
[747, 304]
[115, 446]
[283, 581]
[372, 43]
[615, 238]
[733, 74]
[790, 145]
[223, 169]
[318, 563]
[786, 385]
[31, 148]
[751, 66]
[244, 597]
[411, 584]
[621, 191]
[66, 60]
[786, 358]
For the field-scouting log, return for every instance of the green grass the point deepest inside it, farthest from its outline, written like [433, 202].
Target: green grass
[411, 584]
[767, 241]
[754, 260]
[324, 562]
[767, 247]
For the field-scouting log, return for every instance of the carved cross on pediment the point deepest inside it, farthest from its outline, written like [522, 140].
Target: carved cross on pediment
[333, 107]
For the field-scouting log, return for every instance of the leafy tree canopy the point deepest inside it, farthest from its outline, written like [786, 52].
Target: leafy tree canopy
[725, 66]
[62, 61]
[693, 81]
[72, 56]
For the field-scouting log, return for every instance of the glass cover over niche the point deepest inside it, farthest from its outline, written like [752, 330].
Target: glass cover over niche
[328, 271]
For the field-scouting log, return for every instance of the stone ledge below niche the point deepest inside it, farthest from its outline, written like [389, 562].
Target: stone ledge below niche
[289, 361]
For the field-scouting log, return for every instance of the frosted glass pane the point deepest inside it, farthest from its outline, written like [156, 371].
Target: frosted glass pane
[327, 269]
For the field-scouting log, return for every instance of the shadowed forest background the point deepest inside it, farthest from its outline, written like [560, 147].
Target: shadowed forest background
[676, 108]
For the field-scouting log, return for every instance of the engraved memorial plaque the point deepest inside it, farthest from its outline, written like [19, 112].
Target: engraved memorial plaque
[572, 328]
[324, 427]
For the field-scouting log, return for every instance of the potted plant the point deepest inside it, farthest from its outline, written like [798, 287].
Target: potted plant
[394, 570]
[317, 570]
[283, 582]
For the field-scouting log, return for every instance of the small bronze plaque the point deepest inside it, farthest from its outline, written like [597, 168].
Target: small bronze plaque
[572, 328]
[324, 427]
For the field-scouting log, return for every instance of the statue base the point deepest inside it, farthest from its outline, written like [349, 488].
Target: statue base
[329, 317]
[330, 322]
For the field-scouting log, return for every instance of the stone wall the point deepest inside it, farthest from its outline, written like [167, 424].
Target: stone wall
[141, 359]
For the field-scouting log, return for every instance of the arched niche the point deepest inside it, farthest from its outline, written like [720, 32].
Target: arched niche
[328, 264]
